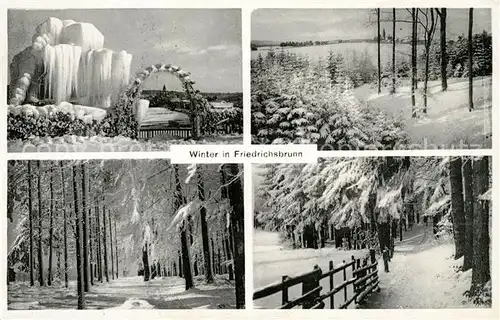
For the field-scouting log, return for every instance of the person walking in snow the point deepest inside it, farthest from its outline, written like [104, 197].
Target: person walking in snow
[385, 256]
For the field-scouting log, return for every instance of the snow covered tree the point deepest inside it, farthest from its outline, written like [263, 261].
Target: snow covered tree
[457, 205]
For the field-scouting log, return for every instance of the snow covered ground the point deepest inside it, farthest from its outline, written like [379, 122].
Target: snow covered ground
[105, 144]
[422, 275]
[127, 293]
[164, 116]
[448, 123]
[272, 261]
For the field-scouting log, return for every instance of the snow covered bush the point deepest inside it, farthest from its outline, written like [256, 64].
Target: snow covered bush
[295, 101]
[23, 126]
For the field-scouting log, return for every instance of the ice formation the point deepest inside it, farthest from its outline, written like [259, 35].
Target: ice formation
[70, 58]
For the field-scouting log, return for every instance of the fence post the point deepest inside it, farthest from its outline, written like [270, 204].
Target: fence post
[358, 265]
[372, 256]
[310, 284]
[284, 293]
[330, 267]
[345, 279]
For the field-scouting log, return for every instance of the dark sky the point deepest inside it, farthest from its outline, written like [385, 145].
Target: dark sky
[205, 42]
[330, 24]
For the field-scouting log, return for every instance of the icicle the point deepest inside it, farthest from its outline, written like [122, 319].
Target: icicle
[120, 72]
[49, 31]
[61, 65]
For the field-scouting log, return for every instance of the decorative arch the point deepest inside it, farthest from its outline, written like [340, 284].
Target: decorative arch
[199, 106]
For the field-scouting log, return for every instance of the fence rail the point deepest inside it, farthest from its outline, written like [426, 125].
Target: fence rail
[364, 281]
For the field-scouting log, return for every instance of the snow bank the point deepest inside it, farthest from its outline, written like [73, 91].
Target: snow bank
[85, 113]
[134, 303]
[82, 34]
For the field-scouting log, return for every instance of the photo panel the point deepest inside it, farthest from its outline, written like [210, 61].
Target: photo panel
[372, 79]
[124, 234]
[373, 233]
[91, 80]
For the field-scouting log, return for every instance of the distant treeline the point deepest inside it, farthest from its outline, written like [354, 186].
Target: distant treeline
[165, 98]
[310, 43]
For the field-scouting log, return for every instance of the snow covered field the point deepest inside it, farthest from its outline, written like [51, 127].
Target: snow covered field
[271, 261]
[126, 293]
[105, 144]
[448, 123]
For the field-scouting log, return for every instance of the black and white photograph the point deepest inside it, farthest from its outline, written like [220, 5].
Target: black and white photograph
[91, 80]
[124, 234]
[372, 79]
[373, 233]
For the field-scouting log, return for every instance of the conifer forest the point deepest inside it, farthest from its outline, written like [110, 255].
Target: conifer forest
[431, 216]
[132, 234]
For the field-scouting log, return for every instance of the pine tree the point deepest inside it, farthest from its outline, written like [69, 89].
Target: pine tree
[481, 242]
[78, 242]
[51, 225]
[468, 212]
[204, 230]
[235, 195]
[85, 222]
[65, 225]
[185, 254]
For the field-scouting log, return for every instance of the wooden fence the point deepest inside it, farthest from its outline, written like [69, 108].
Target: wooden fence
[175, 132]
[364, 280]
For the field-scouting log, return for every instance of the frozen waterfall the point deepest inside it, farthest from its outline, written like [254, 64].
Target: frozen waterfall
[74, 63]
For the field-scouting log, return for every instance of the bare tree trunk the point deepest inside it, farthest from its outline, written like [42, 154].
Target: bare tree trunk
[469, 46]
[413, 61]
[235, 195]
[204, 231]
[40, 219]
[468, 212]
[393, 50]
[31, 212]
[105, 243]
[91, 245]
[65, 226]
[457, 205]
[444, 54]
[78, 243]
[116, 249]
[145, 261]
[85, 221]
[481, 241]
[111, 246]
[51, 225]
[378, 51]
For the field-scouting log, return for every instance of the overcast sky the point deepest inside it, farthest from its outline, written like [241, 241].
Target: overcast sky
[205, 42]
[331, 24]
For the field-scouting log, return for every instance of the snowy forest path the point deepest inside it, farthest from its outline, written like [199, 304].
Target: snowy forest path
[127, 293]
[416, 278]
